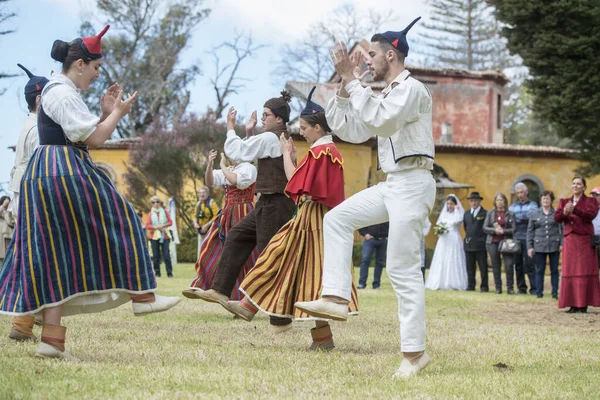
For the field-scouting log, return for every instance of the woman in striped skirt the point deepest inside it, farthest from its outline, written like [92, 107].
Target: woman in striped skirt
[79, 246]
[291, 266]
[238, 183]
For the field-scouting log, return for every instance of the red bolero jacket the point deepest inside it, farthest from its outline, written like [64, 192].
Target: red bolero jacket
[580, 220]
[320, 175]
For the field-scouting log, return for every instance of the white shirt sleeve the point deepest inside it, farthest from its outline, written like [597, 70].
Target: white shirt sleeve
[66, 108]
[263, 145]
[246, 175]
[384, 116]
[32, 142]
[342, 120]
[219, 178]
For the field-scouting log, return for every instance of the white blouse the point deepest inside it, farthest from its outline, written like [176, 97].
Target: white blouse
[263, 145]
[28, 142]
[64, 105]
[246, 176]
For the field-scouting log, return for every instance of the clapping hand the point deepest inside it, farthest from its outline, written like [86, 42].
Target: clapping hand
[287, 146]
[108, 100]
[569, 208]
[358, 60]
[251, 124]
[342, 63]
[231, 118]
[124, 106]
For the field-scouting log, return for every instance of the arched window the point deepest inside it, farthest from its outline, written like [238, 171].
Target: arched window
[534, 186]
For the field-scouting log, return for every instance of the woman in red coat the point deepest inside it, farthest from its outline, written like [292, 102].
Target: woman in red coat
[580, 286]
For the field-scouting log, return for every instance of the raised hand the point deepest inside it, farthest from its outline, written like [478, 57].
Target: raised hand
[284, 144]
[223, 162]
[124, 106]
[251, 124]
[231, 118]
[212, 154]
[292, 147]
[341, 61]
[108, 100]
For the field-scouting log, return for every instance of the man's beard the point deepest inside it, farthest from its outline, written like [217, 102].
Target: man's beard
[380, 75]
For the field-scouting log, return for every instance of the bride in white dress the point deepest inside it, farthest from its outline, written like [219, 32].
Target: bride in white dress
[448, 266]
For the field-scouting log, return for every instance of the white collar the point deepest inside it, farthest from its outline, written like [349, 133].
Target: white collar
[60, 78]
[398, 80]
[322, 140]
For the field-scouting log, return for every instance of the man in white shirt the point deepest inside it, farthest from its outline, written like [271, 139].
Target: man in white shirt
[401, 119]
[22, 327]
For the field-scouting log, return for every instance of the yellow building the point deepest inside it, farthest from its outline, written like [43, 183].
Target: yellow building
[486, 168]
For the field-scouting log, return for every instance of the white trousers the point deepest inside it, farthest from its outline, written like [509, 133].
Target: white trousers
[405, 199]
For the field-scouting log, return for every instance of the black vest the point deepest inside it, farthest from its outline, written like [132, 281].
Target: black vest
[51, 133]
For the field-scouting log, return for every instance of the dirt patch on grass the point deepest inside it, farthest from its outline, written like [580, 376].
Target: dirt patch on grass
[541, 314]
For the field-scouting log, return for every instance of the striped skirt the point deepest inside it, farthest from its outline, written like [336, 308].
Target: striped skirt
[212, 247]
[290, 269]
[78, 242]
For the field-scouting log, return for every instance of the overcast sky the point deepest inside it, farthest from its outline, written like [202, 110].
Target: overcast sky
[272, 22]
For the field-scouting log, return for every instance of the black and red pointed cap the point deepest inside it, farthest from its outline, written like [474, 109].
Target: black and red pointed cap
[311, 107]
[92, 46]
[398, 39]
[35, 83]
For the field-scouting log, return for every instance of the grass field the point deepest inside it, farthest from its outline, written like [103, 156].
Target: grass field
[198, 351]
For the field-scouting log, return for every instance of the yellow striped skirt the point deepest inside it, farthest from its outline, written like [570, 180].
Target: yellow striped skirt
[290, 269]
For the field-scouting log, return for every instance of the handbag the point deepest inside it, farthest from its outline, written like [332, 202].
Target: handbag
[509, 246]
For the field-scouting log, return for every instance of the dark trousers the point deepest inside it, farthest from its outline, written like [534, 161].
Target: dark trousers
[540, 270]
[524, 266]
[497, 259]
[255, 230]
[157, 248]
[479, 257]
[379, 246]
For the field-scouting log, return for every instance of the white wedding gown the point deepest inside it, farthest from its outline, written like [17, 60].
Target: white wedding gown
[449, 267]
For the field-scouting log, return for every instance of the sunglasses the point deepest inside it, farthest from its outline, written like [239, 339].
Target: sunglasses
[155, 202]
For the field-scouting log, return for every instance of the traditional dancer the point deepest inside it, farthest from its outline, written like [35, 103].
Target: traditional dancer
[273, 209]
[79, 246]
[22, 326]
[238, 183]
[291, 267]
[401, 118]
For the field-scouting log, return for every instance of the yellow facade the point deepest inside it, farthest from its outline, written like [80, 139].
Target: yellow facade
[487, 173]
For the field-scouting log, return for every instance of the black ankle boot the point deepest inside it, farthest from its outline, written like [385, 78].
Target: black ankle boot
[573, 310]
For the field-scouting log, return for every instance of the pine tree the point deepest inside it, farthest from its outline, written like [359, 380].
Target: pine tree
[464, 34]
[559, 41]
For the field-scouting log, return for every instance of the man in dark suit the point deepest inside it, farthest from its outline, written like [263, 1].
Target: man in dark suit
[475, 242]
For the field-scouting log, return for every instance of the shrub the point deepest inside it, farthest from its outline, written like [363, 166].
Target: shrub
[187, 250]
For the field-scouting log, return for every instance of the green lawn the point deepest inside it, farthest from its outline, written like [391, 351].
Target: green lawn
[198, 351]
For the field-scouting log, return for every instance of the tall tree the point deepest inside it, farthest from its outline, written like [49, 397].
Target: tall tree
[309, 60]
[559, 43]
[170, 160]
[463, 34]
[143, 54]
[5, 16]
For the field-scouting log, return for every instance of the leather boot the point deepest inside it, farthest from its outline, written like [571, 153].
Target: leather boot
[22, 329]
[53, 343]
[322, 339]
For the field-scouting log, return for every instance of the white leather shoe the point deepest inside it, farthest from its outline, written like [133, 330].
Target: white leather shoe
[323, 308]
[237, 310]
[160, 303]
[408, 369]
[44, 350]
[19, 337]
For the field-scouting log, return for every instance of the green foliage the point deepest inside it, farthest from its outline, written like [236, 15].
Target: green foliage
[187, 249]
[142, 53]
[169, 160]
[559, 41]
